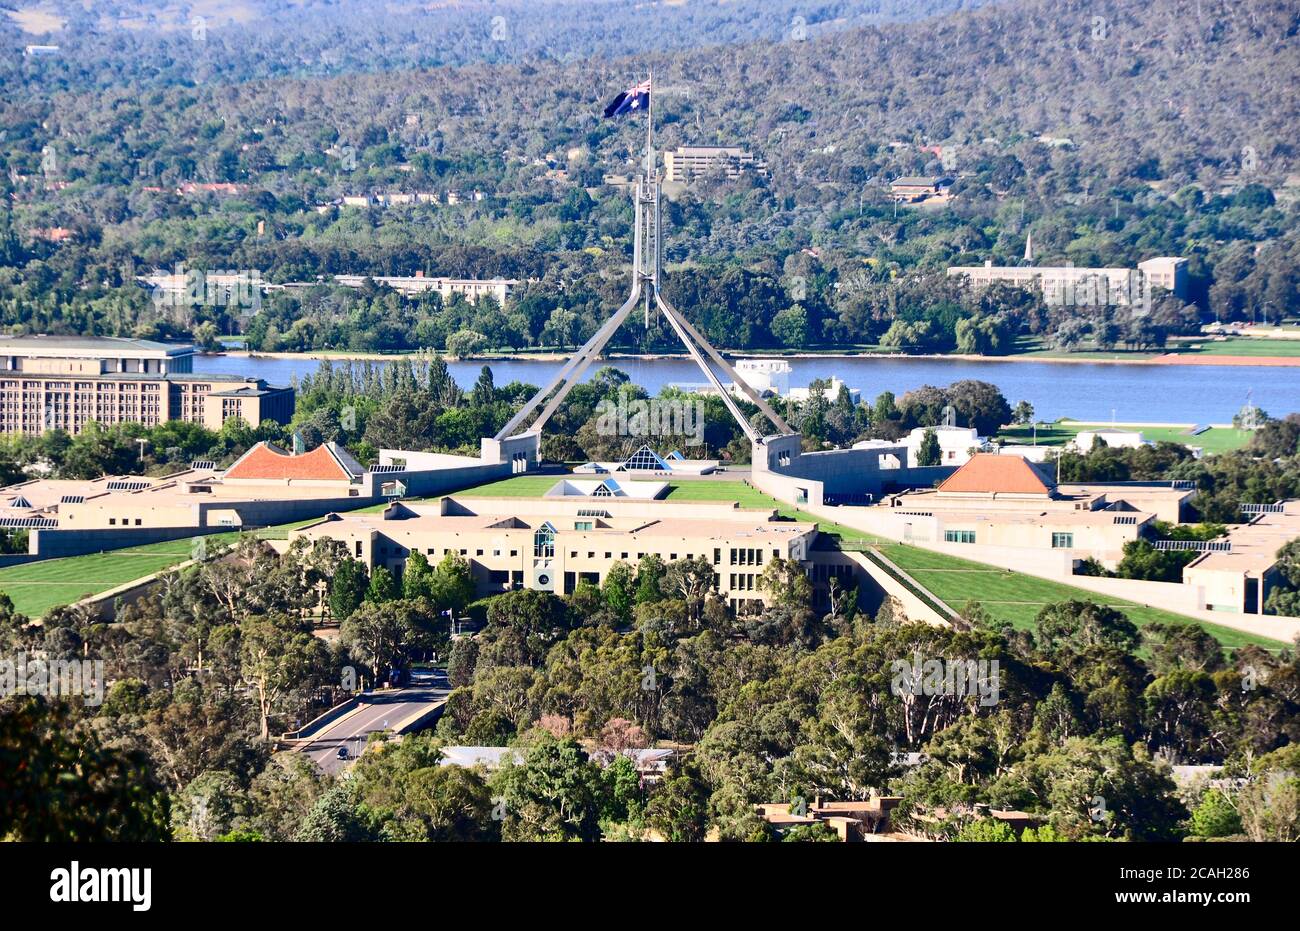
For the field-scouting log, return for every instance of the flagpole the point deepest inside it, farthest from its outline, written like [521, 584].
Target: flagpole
[650, 127]
[650, 184]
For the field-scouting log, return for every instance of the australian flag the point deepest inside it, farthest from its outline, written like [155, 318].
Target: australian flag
[636, 97]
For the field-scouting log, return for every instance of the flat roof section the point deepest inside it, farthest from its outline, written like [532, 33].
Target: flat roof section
[1254, 545]
[115, 346]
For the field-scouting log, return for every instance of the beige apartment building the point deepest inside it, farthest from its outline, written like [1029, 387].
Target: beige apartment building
[687, 162]
[65, 382]
[1066, 283]
[472, 289]
[552, 544]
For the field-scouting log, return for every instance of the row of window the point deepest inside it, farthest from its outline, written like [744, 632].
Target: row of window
[1060, 541]
[748, 557]
[739, 581]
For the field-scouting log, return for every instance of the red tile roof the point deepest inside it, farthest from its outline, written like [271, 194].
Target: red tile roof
[989, 473]
[267, 462]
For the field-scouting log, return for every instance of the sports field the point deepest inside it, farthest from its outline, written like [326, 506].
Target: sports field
[1059, 432]
[1247, 346]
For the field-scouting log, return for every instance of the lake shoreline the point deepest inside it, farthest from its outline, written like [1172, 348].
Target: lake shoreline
[1162, 359]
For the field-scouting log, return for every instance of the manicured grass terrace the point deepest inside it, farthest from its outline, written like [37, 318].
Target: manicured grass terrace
[36, 587]
[1017, 598]
[1008, 596]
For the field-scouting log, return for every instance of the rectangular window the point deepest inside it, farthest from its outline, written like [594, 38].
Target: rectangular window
[959, 536]
[1062, 541]
[583, 525]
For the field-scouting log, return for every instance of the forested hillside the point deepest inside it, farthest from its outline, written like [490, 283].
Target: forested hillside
[1179, 116]
[156, 42]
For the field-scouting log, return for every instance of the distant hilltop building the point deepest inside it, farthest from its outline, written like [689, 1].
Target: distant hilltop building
[54, 234]
[472, 288]
[687, 162]
[210, 187]
[912, 189]
[392, 199]
[37, 51]
[64, 382]
[1058, 282]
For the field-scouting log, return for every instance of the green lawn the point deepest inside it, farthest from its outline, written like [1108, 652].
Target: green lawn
[522, 486]
[1245, 346]
[1213, 440]
[533, 486]
[1017, 598]
[35, 587]
[519, 486]
[1057, 433]
[1011, 596]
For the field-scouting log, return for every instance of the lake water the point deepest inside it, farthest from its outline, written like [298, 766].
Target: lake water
[1084, 391]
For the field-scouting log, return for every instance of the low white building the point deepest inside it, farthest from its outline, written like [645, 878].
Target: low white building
[765, 376]
[1118, 439]
[1024, 451]
[829, 392]
[772, 377]
[956, 444]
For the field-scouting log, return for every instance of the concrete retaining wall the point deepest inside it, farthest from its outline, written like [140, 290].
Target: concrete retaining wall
[915, 607]
[105, 604]
[328, 717]
[56, 542]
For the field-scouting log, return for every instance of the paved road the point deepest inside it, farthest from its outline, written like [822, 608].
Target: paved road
[377, 712]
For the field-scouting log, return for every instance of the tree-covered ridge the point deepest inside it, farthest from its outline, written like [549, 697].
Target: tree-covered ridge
[156, 44]
[1178, 113]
